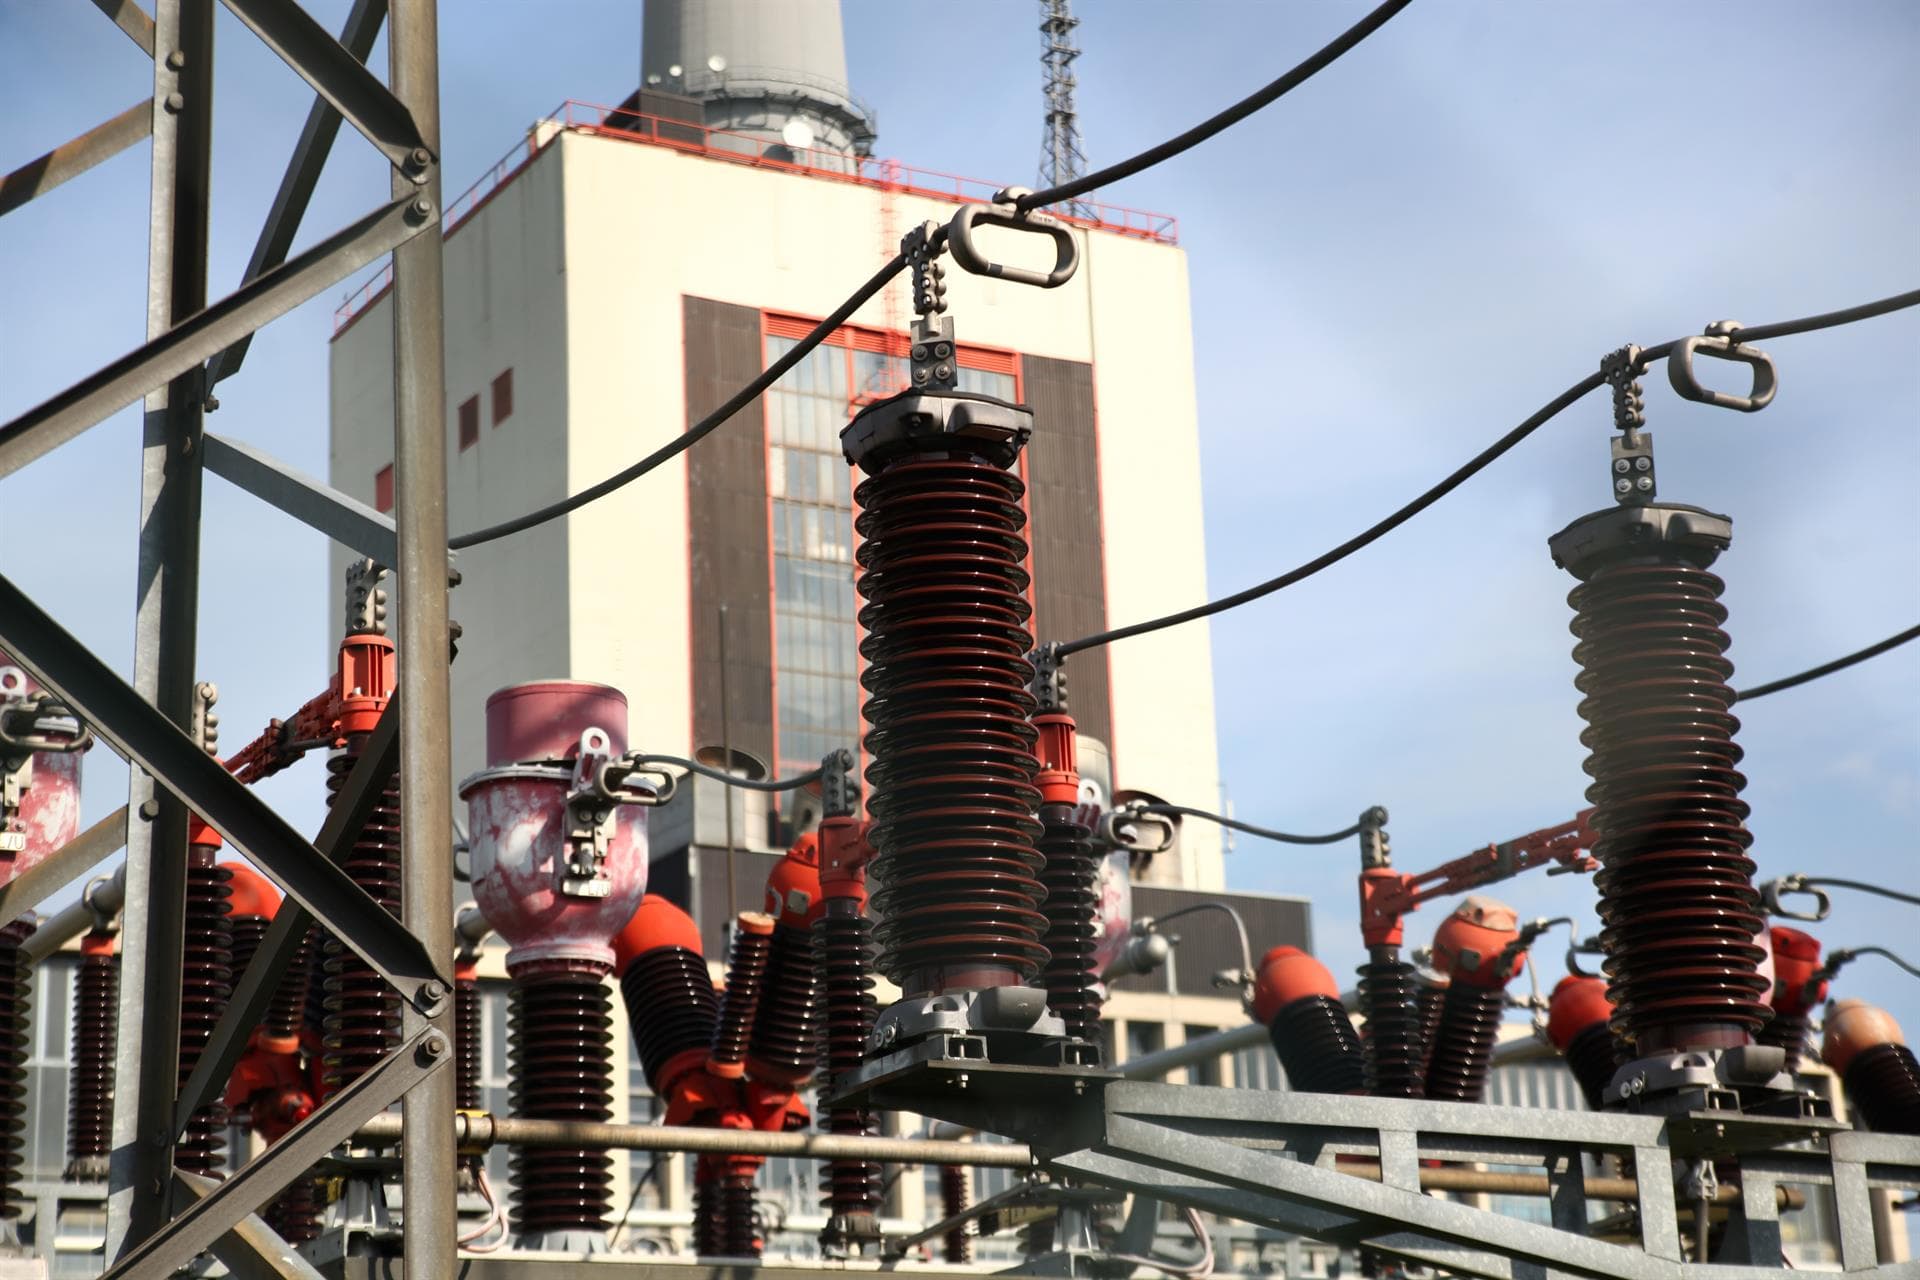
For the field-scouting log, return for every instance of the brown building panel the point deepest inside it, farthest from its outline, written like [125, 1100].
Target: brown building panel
[727, 529]
[1069, 577]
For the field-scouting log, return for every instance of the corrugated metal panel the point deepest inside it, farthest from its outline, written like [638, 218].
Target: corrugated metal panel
[1069, 575]
[727, 529]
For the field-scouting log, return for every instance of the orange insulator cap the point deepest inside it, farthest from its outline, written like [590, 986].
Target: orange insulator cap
[1796, 956]
[1468, 943]
[793, 886]
[656, 923]
[1854, 1026]
[1057, 749]
[252, 893]
[1287, 974]
[98, 942]
[1576, 1004]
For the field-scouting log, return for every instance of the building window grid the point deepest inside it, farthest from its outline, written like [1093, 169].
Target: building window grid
[810, 514]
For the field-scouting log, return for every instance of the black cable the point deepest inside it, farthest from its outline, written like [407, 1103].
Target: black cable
[1478, 463]
[699, 430]
[1225, 120]
[1842, 955]
[1827, 668]
[731, 779]
[1179, 810]
[1860, 885]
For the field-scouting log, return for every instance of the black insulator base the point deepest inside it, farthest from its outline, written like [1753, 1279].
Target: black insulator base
[96, 997]
[843, 950]
[740, 1002]
[956, 872]
[1883, 1085]
[206, 984]
[298, 1212]
[362, 1011]
[1318, 1046]
[1393, 1029]
[16, 1035]
[1787, 1031]
[1593, 1057]
[786, 1032]
[955, 1196]
[671, 1006]
[1463, 1043]
[724, 1209]
[1072, 879]
[287, 1012]
[1677, 903]
[248, 932]
[561, 1059]
[1429, 999]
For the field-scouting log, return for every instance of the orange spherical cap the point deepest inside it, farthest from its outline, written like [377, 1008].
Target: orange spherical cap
[1795, 957]
[1576, 1004]
[656, 923]
[1288, 974]
[253, 894]
[1468, 943]
[793, 886]
[1854, 1026]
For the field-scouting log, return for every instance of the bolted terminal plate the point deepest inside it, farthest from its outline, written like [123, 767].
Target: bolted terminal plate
[949, 1077]
[1619, 533]
[935, 422]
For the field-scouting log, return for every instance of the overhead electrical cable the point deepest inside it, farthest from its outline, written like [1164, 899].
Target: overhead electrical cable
[1479, 462]
[1225, 120]
[1265, 833]
[731, 779]
[1827, 668]
[1809, 882]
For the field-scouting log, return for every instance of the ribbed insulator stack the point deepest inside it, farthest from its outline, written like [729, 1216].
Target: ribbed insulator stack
[1472, 948]
[1393, 1052]
[942, 554]
[562, 1036]
[1677, 899]
[843, 942]
[1298, 1000]
[1430, 999]
[1578, 1018]
[1866, 1049]
[785, 1046]
[362, 1011]
[1796, 994]
[955, 1195]
[671, 1003]
[96, 995]
[468, 1092]
[724, 1211]
[298, 1213]
[1071, 873]
[740, 1002]
[206, 984]
[286, 1014]
[16, 1035]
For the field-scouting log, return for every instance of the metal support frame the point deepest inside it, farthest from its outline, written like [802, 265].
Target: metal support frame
[190, 346]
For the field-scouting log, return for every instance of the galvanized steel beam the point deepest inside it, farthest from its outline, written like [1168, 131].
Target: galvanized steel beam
[132, 19]
[61, 867]
[252, 1250]
[72, 158]
[346, 520]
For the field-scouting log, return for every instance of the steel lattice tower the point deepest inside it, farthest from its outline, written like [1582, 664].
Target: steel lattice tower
[1061, 159]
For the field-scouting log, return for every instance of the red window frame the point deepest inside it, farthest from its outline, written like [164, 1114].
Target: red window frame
[469, 423]
[503, 396]
[383, 489]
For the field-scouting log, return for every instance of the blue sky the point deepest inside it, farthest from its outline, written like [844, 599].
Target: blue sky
[1389, 269]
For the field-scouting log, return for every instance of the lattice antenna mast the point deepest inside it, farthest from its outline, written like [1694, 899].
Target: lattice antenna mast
[1061, 159]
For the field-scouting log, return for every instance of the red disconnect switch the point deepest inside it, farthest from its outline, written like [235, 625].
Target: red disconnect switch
[1471, 944]
[1057, 750]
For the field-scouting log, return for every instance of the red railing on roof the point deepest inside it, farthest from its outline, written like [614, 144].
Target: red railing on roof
[740, 148]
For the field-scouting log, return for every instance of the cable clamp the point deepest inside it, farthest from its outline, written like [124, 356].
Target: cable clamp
[1125, 828]
[1004, 212]
[1773, 891]
[1721, 341]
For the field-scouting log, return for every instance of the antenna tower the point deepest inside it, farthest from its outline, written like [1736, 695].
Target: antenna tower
[1061, 159]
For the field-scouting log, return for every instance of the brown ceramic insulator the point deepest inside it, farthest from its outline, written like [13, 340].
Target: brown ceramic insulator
[1592, 1057]
[671, 1006]
[96, 995]
[1787, 1031]
[288, 1009]
[955, 1196]
[1430, 998]
[206, 984]
[740, 1002]
[1072, 877]
[16, 1033]
[248, 932]
[1318, 1046]
[724, 1212]
[956, 872]
[362, 1011]
[468, 1095]
[1393, 1028]
[1677, 901]
[561, 1063]
[785, 1045]
[843, 947]
[296, 1214]
[1463, 1043]
[1883, 1084]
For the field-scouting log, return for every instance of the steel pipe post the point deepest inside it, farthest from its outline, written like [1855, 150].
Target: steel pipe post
[420, 523]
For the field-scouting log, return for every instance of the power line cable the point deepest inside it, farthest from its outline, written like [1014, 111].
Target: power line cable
[1265, 833]
[1827, 668]
[731, 779]
[1224, 120]
[1860, 885]
[699, 430]
[1479, 462]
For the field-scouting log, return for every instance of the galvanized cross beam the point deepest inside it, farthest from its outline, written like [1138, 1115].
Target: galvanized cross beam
[346, 520]
[72, 158]
[252, 1250]
[61, 867]
[132, 19]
